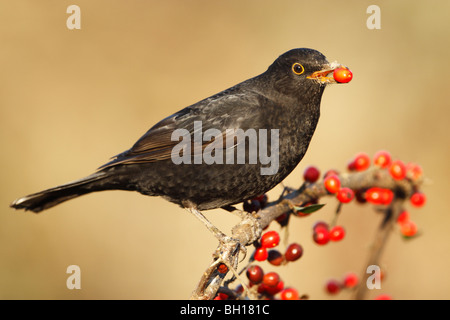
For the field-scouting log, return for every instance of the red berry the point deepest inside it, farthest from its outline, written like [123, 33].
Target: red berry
[260, 254]
[383, 297]
[350, 280]
[361, 161]
[342, 75]
[330, 173]
[337, 233]
[381, 196]
[221, 296]
[321, 236]
[408, 228]
[332, 286]
[332, 183]
[386, 196]
[262, 288]
[255, 274]
[382, 159]
[311, 174]
[222, 268]
[413, 171]
[345, 195]
[403, 217]
[274, 290]
[397, 170]
[283, 219]
[373, 195]
[271, 279]
[418, 199]
[351, 165]
[289, 294]
[293, 252]
[320, 224]
[275, 257]
[270, 239]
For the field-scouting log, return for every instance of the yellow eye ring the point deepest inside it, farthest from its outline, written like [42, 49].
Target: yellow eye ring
[297, 68]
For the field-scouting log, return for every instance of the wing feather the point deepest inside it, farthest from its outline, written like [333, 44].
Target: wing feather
[223, 111]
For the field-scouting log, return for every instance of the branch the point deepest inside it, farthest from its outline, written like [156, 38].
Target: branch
[379, 243]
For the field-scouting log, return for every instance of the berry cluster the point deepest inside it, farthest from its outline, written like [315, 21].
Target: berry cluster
[264, 251]
[397, 169]
[322, 233]
[270, 285]
[267, 285]
[349, 281]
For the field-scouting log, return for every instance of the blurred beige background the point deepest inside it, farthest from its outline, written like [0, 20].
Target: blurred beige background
[70, 99]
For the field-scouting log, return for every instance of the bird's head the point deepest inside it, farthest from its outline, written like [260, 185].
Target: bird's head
[305, 68]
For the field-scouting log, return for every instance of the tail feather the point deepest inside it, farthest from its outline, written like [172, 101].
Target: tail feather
[39, 201]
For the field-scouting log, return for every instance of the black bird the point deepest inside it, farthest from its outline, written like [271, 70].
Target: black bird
[281, 106]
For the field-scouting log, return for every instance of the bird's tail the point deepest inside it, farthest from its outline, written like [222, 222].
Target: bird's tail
[39, 201]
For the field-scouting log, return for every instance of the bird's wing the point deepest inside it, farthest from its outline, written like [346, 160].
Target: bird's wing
[221, 112]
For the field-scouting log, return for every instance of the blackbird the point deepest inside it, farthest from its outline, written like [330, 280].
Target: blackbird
[276, 111]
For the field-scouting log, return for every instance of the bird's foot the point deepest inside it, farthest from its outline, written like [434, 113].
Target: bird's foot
[249, 229]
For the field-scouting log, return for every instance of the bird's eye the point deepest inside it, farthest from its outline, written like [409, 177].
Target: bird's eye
[297, 68]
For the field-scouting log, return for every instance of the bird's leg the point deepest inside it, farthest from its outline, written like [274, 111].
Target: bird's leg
[246, 232]
[249, 228]
[222, 237]
[215, 231]
[226, 252]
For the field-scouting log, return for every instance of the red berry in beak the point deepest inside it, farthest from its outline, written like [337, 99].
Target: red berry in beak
[342, 75]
